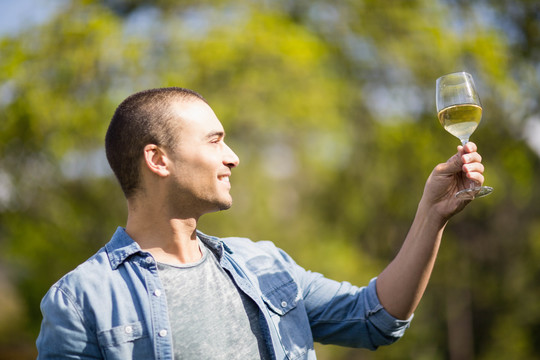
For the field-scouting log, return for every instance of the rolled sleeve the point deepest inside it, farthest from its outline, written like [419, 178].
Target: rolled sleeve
[346, 315]
[380, 319]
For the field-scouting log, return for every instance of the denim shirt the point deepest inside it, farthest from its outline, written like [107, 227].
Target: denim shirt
[113, 306]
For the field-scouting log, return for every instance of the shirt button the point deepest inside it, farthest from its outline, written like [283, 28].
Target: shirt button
[128, 329]
[149, 260]
[283, 304]
[157, 293]
[163, 333]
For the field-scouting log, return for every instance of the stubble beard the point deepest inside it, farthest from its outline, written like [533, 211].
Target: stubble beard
[225, 205]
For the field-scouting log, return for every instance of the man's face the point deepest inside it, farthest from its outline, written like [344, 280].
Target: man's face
[201, 162]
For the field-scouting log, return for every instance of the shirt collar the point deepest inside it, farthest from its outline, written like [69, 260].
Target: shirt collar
[123, 246]
[215, 244]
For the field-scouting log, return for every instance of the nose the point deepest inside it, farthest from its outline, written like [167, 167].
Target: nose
[230, 160]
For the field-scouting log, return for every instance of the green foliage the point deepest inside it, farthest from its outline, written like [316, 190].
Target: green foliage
[330, 107]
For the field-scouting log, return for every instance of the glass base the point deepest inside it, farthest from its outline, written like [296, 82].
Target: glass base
[473, 193]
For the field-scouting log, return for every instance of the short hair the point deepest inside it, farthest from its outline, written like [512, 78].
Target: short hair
[143, 118]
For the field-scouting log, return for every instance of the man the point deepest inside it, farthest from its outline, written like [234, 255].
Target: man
[160, 289]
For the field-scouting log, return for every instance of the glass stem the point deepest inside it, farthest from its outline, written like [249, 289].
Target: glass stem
[473, 184]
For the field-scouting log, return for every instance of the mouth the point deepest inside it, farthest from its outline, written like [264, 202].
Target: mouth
[224, 178]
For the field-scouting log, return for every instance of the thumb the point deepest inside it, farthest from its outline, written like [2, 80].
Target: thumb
[452, 165]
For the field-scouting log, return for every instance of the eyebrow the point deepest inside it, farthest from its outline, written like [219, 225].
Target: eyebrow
[218, 133]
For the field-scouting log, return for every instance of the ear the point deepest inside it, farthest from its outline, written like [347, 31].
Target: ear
[156, 160]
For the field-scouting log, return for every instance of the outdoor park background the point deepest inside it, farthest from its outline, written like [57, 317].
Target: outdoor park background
[330, 107]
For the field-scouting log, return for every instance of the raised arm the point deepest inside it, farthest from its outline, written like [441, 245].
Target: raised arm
[402, 283]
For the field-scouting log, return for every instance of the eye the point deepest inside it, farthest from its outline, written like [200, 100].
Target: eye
[215, 137]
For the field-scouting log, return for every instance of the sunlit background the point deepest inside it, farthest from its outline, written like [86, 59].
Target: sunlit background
[330, 107]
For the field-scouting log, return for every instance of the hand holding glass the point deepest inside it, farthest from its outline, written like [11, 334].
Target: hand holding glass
[460, 111]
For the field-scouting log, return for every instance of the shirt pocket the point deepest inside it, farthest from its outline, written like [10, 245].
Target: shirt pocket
[126, 341]
[281, 296]
[276, 285]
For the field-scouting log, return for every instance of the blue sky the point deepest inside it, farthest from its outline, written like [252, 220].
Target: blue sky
[16, 14]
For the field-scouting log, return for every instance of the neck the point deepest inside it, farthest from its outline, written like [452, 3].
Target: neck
[170, 239]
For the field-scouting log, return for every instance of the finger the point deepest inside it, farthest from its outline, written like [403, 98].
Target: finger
[477, 177]
[460, 150]
[471, 158]
[474, 172]
[473, 167]
[470, 147]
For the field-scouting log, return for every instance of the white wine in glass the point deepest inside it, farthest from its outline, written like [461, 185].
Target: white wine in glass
[460, 111]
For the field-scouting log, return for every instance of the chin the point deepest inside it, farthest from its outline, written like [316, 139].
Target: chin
[225, 206]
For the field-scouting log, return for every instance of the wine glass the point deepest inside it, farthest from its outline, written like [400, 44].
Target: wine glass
[460, 111]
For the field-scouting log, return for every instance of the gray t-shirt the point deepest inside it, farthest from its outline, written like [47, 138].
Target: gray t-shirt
[210, 318]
